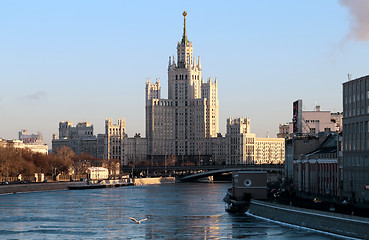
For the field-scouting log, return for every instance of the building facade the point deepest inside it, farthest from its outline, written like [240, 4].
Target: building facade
[356, 138]
[269, 151]
[135, 150]
[79, 138]
[25, 137]
[310, 122]
[36, 148]
[320, 172]
[184, 123]
[34, 142]
[183, 128]
[240, 142]
[243, 147]
[114, 134]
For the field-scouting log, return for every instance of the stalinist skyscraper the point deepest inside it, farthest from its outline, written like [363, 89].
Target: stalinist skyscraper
[184, 123]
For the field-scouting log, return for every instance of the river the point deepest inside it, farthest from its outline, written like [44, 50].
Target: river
[174, 211]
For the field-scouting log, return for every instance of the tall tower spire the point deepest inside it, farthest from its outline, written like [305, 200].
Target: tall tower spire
[184, 37]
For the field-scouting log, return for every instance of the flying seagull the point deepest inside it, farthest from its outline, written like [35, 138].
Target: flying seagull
[138, 221]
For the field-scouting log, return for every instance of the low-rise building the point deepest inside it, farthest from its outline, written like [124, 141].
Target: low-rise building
[320, 171]
[97, 173]
[34, 147]
[299, 145]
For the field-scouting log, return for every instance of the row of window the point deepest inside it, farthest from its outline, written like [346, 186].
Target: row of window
[356, 136]
[312, 121]
[355, 94]
[184, 77]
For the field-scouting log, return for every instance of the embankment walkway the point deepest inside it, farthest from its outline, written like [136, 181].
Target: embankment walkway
[334, 223]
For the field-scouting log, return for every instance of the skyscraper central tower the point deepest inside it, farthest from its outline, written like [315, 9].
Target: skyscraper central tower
[184, 123]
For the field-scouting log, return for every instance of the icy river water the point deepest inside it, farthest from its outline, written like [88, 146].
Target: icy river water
[174, 211]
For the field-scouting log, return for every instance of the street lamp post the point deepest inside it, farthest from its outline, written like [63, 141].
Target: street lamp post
[165, 165]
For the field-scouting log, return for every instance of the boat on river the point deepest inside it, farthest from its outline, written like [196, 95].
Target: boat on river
[236, 205]
[245, 185]
[103, 184]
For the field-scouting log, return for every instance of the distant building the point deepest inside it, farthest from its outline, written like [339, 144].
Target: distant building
[219, 150]
[269, 151]
[284, 130]
[240, 142]
[356, 138]
[310, 122]
[135, 150]
[34, 147]
[79, 138]
[114, 134]
[299, 145]
[245, 148]
[306, 132]
[33, 142]
[184, 127]
[97, 173]
[320, 121]
[29, 138]
[183, 124]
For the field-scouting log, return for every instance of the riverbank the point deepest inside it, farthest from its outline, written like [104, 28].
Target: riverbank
[333, 223]
[35, 187]
[40, 187]
[159, 180]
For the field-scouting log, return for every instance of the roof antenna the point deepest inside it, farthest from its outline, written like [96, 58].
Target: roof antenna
[349, 76]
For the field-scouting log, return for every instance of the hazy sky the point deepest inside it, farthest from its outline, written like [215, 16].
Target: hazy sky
[89, 60]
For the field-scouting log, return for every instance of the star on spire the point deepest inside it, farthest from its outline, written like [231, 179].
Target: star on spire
[184, 37]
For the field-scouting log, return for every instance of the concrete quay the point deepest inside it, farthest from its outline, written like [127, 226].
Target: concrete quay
[35, 187]
[40, 187]
[159, 180]
[333, 223]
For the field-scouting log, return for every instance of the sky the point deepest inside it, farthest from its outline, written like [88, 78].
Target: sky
[89, 60]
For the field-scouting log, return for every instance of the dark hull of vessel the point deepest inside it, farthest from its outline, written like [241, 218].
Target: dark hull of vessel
[235, 206]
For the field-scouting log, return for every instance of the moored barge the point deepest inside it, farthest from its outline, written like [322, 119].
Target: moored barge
[245, 185]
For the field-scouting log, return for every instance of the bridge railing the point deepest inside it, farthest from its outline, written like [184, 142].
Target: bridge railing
[208, 167]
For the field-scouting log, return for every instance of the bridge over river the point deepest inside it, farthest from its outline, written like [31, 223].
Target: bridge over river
[193, 173]
[193, 177]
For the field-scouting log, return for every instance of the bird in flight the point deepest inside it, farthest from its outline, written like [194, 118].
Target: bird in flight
[138, 221]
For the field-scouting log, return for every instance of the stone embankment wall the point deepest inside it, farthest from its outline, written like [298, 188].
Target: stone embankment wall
[350, 226]
[35, 187]
[39, 187]
[145, 181]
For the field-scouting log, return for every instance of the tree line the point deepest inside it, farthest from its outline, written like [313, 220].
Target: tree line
[15, 161]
